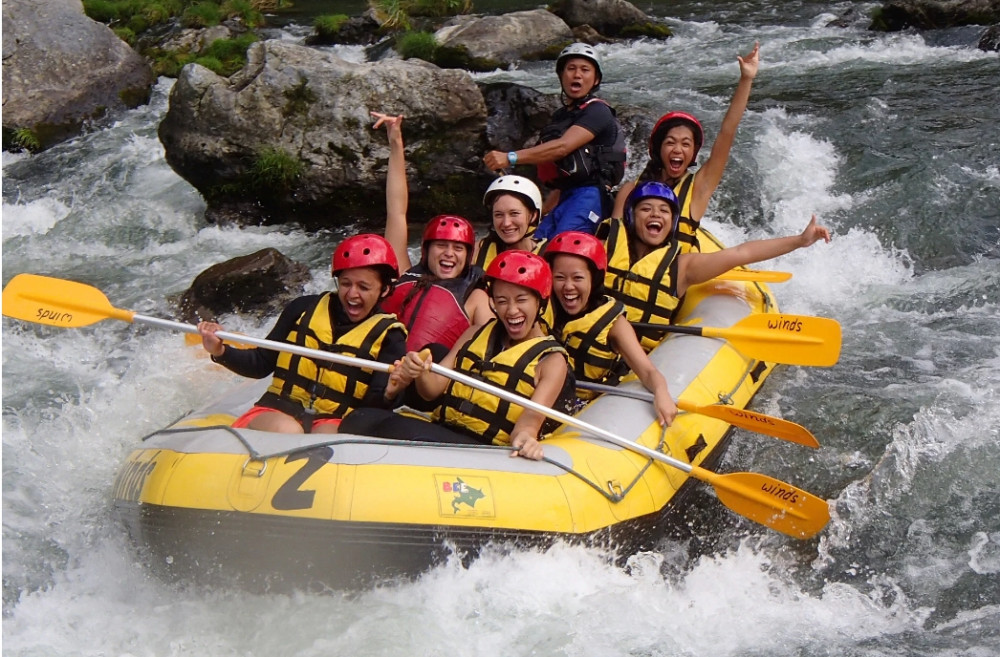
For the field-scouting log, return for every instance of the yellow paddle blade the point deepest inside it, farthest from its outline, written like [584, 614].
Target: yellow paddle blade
[776, 504]
[753, 421]
[755, 276]
[791, 339]
[57, 302]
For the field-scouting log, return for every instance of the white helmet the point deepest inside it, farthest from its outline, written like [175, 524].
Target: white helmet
[579, 50]
[518, 185]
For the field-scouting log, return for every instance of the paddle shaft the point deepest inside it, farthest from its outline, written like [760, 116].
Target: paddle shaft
[472, 382]
[239, 338]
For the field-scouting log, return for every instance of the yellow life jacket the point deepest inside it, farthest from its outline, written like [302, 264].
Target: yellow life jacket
[323, 387]
[491, 246]
[586, 338]
[687, 229]
[647, 287]
[513, 369]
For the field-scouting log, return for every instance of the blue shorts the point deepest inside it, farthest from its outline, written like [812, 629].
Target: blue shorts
[579, 208]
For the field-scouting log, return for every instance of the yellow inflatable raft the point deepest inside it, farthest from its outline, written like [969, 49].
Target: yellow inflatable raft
[203, 499]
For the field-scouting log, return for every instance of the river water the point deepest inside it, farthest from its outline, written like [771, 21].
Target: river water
[891, 139]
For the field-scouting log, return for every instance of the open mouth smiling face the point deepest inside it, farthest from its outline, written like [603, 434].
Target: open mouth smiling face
[447, 259]
[359, 289]
[653, 221]
[516, 307]
[677, 150]
[571, 283]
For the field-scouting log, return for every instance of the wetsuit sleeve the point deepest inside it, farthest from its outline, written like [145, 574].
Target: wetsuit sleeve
[256, 363]
[393, 349]
[598, 118]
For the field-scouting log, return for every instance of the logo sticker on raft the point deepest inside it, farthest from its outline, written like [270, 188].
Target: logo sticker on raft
[464, 497]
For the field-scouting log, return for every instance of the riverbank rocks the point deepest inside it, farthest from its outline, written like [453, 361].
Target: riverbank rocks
[516, 114]
[289, 137]
[990, 40]
[613, 18]
[934, 14]
[260, 283]
[61, 70]
[492, 42]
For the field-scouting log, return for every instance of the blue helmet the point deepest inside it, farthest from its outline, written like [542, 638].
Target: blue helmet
[652, 189]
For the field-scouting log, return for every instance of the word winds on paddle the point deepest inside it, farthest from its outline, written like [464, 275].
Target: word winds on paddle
[53, 317]
[780, 492]
[784, 324]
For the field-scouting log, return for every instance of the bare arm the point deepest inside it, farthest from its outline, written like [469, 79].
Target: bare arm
[694, 268]
[396, 190]
[621, 197]
[477, 308]
[710, 173]
[550, 377]
[548, 151]
[625, 341]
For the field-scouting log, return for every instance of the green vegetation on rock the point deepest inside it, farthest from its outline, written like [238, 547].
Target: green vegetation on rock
[275, 171]
[25, 139]
[327, 26]
[395, 14]
[647, 29]
[416, 45]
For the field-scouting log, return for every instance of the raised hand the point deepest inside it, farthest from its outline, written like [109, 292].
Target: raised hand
[814, 232]
[750, 63]
[393, 124]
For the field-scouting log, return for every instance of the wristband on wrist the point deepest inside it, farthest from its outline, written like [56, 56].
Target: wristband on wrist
[512, 157]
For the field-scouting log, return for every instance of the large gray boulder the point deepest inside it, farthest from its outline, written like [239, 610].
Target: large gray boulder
[289, 137]
[898, 15]
[499, 41]
[61, 69]
[614, 18]
[260, 284]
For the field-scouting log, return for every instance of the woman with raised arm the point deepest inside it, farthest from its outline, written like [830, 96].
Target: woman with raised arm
[647, 270]
[442, 295]
[674, 144]
[313, 396]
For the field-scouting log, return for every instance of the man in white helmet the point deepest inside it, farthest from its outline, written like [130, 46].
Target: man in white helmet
[582, 150]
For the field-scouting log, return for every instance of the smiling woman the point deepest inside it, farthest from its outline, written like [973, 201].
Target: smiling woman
[306, 396]
[445, 287]
[647, 269]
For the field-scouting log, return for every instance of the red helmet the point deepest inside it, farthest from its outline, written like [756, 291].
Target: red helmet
[580, 244]
[449, 227]
[663, 126]
[367, 250]
[522, 268]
